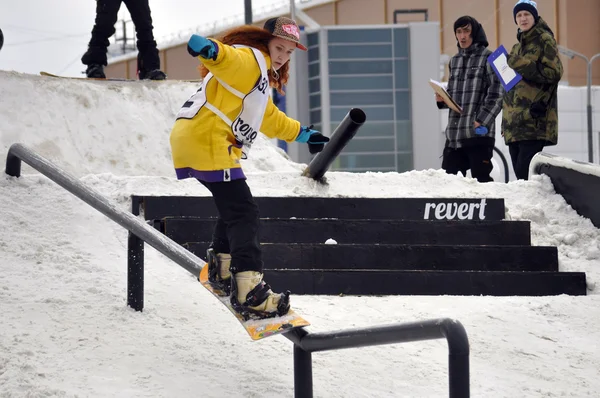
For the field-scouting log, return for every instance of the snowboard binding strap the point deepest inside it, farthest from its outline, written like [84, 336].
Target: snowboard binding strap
[214, 274]
[257, 296]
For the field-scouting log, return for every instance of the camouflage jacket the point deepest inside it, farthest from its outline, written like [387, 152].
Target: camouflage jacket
[529, 110]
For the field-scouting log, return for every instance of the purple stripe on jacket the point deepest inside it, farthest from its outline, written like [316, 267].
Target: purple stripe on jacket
[212, 175]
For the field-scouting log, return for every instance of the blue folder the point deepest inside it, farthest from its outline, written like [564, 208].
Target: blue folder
[513, 81]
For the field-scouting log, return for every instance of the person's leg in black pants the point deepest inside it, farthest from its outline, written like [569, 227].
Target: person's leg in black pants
[455, 160]
[521, 153]
[220, 242]
[480, 162]
[237, 227]
[219, 259]
[104, 28]
[239, 220]
[142, 19]
[513, 149]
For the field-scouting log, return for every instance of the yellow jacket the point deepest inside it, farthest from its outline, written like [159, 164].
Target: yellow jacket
[203, 147]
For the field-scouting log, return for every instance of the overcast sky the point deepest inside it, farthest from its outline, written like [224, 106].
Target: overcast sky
[53, 35]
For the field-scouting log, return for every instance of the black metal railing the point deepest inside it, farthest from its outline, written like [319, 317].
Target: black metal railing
[305, 343]
[458, 346]
[504, 163]
[139, 231]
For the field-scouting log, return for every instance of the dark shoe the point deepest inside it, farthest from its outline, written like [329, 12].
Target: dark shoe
[155, 74]
[95, 71]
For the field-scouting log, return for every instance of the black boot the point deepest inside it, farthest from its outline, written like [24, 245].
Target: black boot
[95, 71]
[155, 74]
[147, 73]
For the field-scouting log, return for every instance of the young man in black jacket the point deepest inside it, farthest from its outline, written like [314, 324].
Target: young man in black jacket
[104, 27]
[475, 87]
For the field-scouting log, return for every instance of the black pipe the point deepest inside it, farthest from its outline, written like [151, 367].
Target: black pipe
[452, 330]
[458, 358]
[303, 379]
[135, 263]
[504, 162]
[339, 139]
[135, 272]
[248, 12]
[13, 164]
[185, 259]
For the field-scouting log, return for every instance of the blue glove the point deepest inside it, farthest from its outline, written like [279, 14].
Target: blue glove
[315, 140]
[200, 46]
[481, 130]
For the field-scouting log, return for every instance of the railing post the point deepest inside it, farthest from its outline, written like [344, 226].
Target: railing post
[303, 387]
[135, 263]
[504, 163]
[458, 373]
[13, 165]
[135, 272]
[458, 358]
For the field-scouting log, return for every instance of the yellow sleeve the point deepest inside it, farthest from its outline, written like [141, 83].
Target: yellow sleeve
[235, 66]
[276, 124]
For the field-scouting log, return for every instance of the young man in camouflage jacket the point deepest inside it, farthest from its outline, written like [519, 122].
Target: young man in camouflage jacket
[476, 88]
[530, 114]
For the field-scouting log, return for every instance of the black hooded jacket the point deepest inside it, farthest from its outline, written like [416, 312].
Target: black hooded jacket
[476, 88]
[477, 33]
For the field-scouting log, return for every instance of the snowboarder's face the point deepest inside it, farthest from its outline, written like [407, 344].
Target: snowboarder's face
[525, 20]
[280, 51]
[464, 37]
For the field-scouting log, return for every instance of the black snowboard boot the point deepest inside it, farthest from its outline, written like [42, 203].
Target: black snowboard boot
[95, 71]
[219, 275]
[155, 74]
[253, 298]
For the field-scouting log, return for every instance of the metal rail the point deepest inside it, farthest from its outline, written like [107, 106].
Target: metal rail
[137, 228]
[305, 343]
[504, 162]
[458, 346]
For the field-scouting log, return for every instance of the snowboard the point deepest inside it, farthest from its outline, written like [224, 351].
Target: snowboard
[256, 328]
[116, 79]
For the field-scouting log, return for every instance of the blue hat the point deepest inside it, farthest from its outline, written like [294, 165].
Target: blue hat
[526, 5]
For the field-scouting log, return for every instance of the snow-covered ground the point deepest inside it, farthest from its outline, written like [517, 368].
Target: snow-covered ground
[66, 331]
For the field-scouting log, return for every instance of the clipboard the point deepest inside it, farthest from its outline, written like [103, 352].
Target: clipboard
[439, 89]
[498, 60]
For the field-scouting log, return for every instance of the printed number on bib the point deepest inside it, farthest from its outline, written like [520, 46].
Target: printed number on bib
[243, 131]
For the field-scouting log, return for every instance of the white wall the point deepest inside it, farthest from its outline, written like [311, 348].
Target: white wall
[572, 126]
[424, 61]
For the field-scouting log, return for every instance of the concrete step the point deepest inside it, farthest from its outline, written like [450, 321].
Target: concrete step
[277, 230]
[460, 283]
[488, 209]
[401, 257]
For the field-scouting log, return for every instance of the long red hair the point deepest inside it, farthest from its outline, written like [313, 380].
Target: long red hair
[253, 36]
